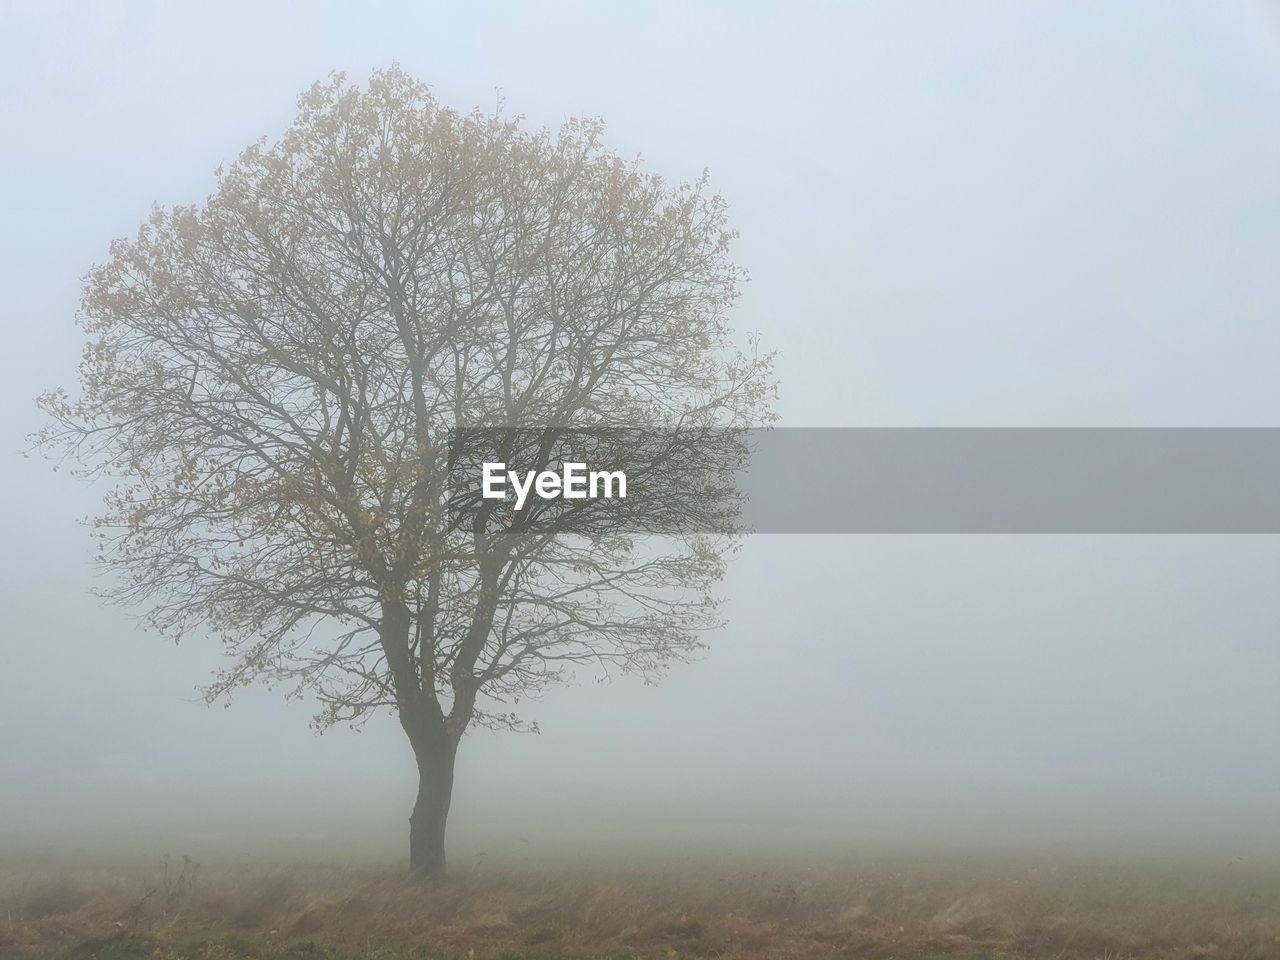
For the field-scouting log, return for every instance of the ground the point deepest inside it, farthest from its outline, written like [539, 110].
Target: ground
[178, 909]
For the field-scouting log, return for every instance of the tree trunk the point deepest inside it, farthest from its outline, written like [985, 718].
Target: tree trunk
[431, 811]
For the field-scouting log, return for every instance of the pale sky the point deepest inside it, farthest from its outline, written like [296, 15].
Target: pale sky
[953, 214]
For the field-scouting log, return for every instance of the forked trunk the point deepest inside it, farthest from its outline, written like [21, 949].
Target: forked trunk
[431, 811]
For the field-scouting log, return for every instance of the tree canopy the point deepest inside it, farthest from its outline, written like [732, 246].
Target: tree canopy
[274, 378]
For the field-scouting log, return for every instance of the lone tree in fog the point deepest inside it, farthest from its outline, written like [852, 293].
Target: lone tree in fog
[276, 380]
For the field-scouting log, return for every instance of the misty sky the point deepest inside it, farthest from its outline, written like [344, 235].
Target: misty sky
[953, 214]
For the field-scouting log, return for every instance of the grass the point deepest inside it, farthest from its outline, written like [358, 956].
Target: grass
[179, 910]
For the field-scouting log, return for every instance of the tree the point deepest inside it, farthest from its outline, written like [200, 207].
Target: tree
[278, 381]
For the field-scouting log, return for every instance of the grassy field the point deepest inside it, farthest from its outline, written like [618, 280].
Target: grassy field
[179, 909]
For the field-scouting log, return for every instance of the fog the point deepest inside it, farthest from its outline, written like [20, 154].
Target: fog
[989, 214]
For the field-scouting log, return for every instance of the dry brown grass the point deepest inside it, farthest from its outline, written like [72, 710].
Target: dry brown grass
[696, 910]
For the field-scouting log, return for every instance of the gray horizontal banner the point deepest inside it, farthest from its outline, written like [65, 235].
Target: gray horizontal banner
[995, 480]
[879, 480]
